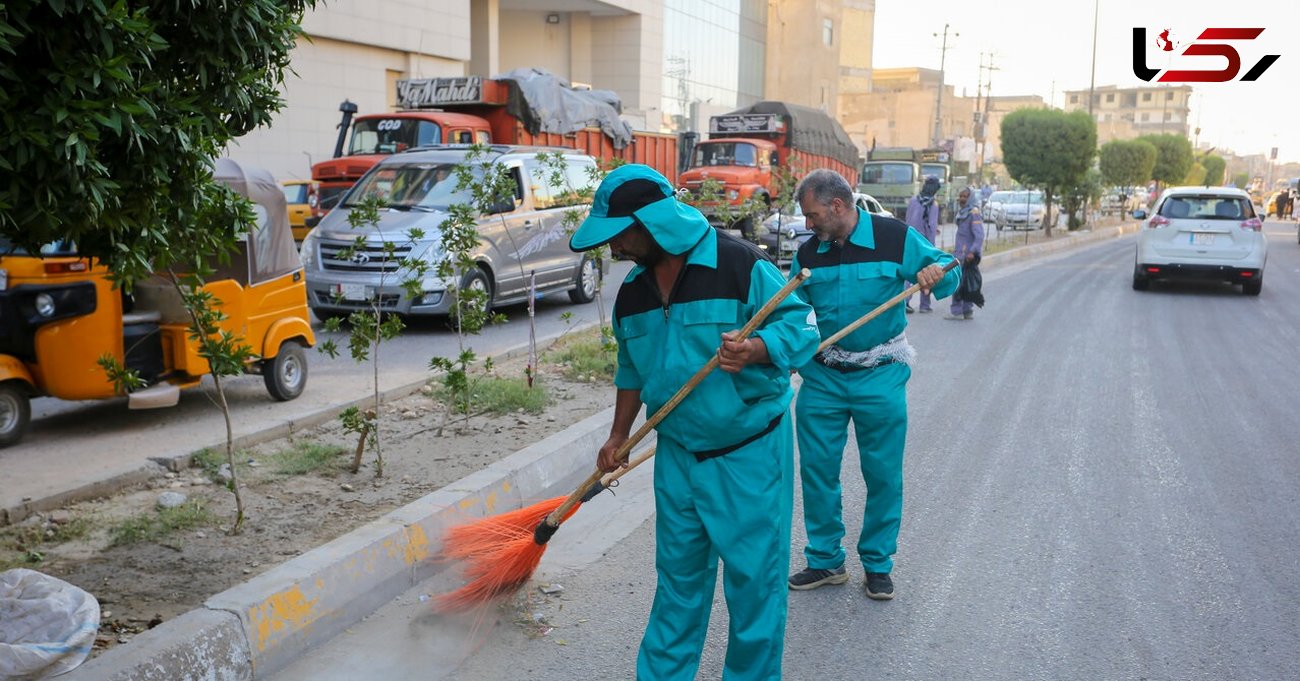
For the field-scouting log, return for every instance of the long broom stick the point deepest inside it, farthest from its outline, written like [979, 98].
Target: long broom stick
[641, 458]
[502, 554]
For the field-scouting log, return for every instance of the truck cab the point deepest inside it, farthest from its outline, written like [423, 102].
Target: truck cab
[893, 177]
[743, 166]
[375, 136]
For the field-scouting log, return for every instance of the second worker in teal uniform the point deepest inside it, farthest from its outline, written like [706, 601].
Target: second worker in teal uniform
[724, 469]
[858, 261]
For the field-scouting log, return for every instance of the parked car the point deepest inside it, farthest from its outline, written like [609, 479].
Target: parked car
[517, 238]
[1024, 209]
[1202, 233]
[303, 199]
[992, 209]
[782, 234]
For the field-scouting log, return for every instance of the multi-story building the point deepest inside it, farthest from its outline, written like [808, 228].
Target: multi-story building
[1127, 113]
[899, 111]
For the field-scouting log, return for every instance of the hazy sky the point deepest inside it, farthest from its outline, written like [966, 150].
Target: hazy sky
[1040, 46]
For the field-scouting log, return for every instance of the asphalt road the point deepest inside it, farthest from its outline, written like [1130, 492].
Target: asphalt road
[71, 445]
[1101, 484]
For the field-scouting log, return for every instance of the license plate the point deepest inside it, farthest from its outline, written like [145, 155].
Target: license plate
[352, 291]
[1202, 238]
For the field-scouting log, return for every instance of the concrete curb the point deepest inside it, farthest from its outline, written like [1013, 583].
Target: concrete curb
[117, 482]
[257, 628]
[1021, 253]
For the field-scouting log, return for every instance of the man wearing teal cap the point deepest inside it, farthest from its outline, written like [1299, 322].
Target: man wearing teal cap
[725, 462]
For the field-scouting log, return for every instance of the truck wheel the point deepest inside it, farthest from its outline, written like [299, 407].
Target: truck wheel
[15, 413]
[286, 373]
[584, 286]
[1252, 288]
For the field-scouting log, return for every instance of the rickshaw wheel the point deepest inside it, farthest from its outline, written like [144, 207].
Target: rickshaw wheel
[285, 374]
[15, 413]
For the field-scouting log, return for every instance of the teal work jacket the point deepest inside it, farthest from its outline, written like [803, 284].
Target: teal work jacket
[876, 263]
[723, 284]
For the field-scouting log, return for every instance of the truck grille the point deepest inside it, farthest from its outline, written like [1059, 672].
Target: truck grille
[368, 258]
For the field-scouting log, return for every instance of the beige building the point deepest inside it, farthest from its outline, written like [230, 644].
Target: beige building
[1126, 113]
[806, 41]
[899, 111]
[358, 49]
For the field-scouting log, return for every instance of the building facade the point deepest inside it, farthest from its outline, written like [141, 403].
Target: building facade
[673, 63]
[899, 111]
[355, 50]
[1127, 113]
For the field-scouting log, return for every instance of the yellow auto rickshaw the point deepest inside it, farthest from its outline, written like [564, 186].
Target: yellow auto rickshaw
[59, 313]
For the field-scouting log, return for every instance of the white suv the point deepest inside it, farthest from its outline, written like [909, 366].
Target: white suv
[1202, 233]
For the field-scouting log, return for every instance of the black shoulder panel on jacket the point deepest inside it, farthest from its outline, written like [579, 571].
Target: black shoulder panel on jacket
[730, 281]
[890, 235]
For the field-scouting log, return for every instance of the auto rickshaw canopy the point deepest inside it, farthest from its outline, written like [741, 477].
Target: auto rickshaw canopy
[271, 251]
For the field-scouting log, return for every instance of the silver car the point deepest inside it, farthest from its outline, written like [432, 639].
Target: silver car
[518, 238]
[1023, 209]
[1202, 233]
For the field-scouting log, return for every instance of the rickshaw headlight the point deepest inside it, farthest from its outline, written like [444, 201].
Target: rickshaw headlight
[45, 305]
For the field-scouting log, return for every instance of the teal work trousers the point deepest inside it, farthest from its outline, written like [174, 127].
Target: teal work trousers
[736, 507]
[875, 400]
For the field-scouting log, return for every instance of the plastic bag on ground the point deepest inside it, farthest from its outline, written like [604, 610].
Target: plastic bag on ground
[47, 626]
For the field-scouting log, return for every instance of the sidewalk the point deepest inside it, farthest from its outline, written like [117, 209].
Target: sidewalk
[264, 626]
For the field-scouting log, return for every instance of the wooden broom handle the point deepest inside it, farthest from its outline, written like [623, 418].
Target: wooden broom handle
[643, 456]
[877, 312]
[621, 454]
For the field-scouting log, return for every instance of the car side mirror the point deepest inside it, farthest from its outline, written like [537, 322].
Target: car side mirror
[503, 206]
[312, 221]
[1139, 214]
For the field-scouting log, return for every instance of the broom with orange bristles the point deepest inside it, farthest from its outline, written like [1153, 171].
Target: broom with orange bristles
[501, 552]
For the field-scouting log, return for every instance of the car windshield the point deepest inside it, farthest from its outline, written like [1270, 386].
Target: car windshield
[1024, 197]
[61, 248]
[421, 186]
[294, 193]
[887, 173]
[1207, 208]
[937, 170]
[391, 135]
[725, 154]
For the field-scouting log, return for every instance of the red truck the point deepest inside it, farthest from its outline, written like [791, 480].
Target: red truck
[746, 148]
[466, 111]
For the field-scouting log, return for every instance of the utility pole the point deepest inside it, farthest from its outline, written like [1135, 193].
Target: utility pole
[938, 101]
[1092, 83]
[988, 105]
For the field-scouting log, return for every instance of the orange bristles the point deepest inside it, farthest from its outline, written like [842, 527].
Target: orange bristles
[499, 553]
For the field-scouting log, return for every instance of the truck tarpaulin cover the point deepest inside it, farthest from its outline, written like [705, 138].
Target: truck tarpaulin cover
[544, 102]
[810, 130]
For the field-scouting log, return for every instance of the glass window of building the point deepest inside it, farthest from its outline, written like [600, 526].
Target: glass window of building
[828, 32]
[714, 58]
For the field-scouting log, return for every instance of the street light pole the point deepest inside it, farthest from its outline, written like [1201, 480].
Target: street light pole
[938, 101]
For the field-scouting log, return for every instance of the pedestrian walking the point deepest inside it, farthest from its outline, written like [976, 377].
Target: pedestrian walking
[858, 261]
[724, 469]
[923, 216]
[968, 244]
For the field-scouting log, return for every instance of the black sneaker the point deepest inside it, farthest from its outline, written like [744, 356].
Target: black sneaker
[809, 578]
[879, 586]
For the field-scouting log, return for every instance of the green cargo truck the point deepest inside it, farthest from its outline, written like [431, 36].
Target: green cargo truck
[893, 176]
